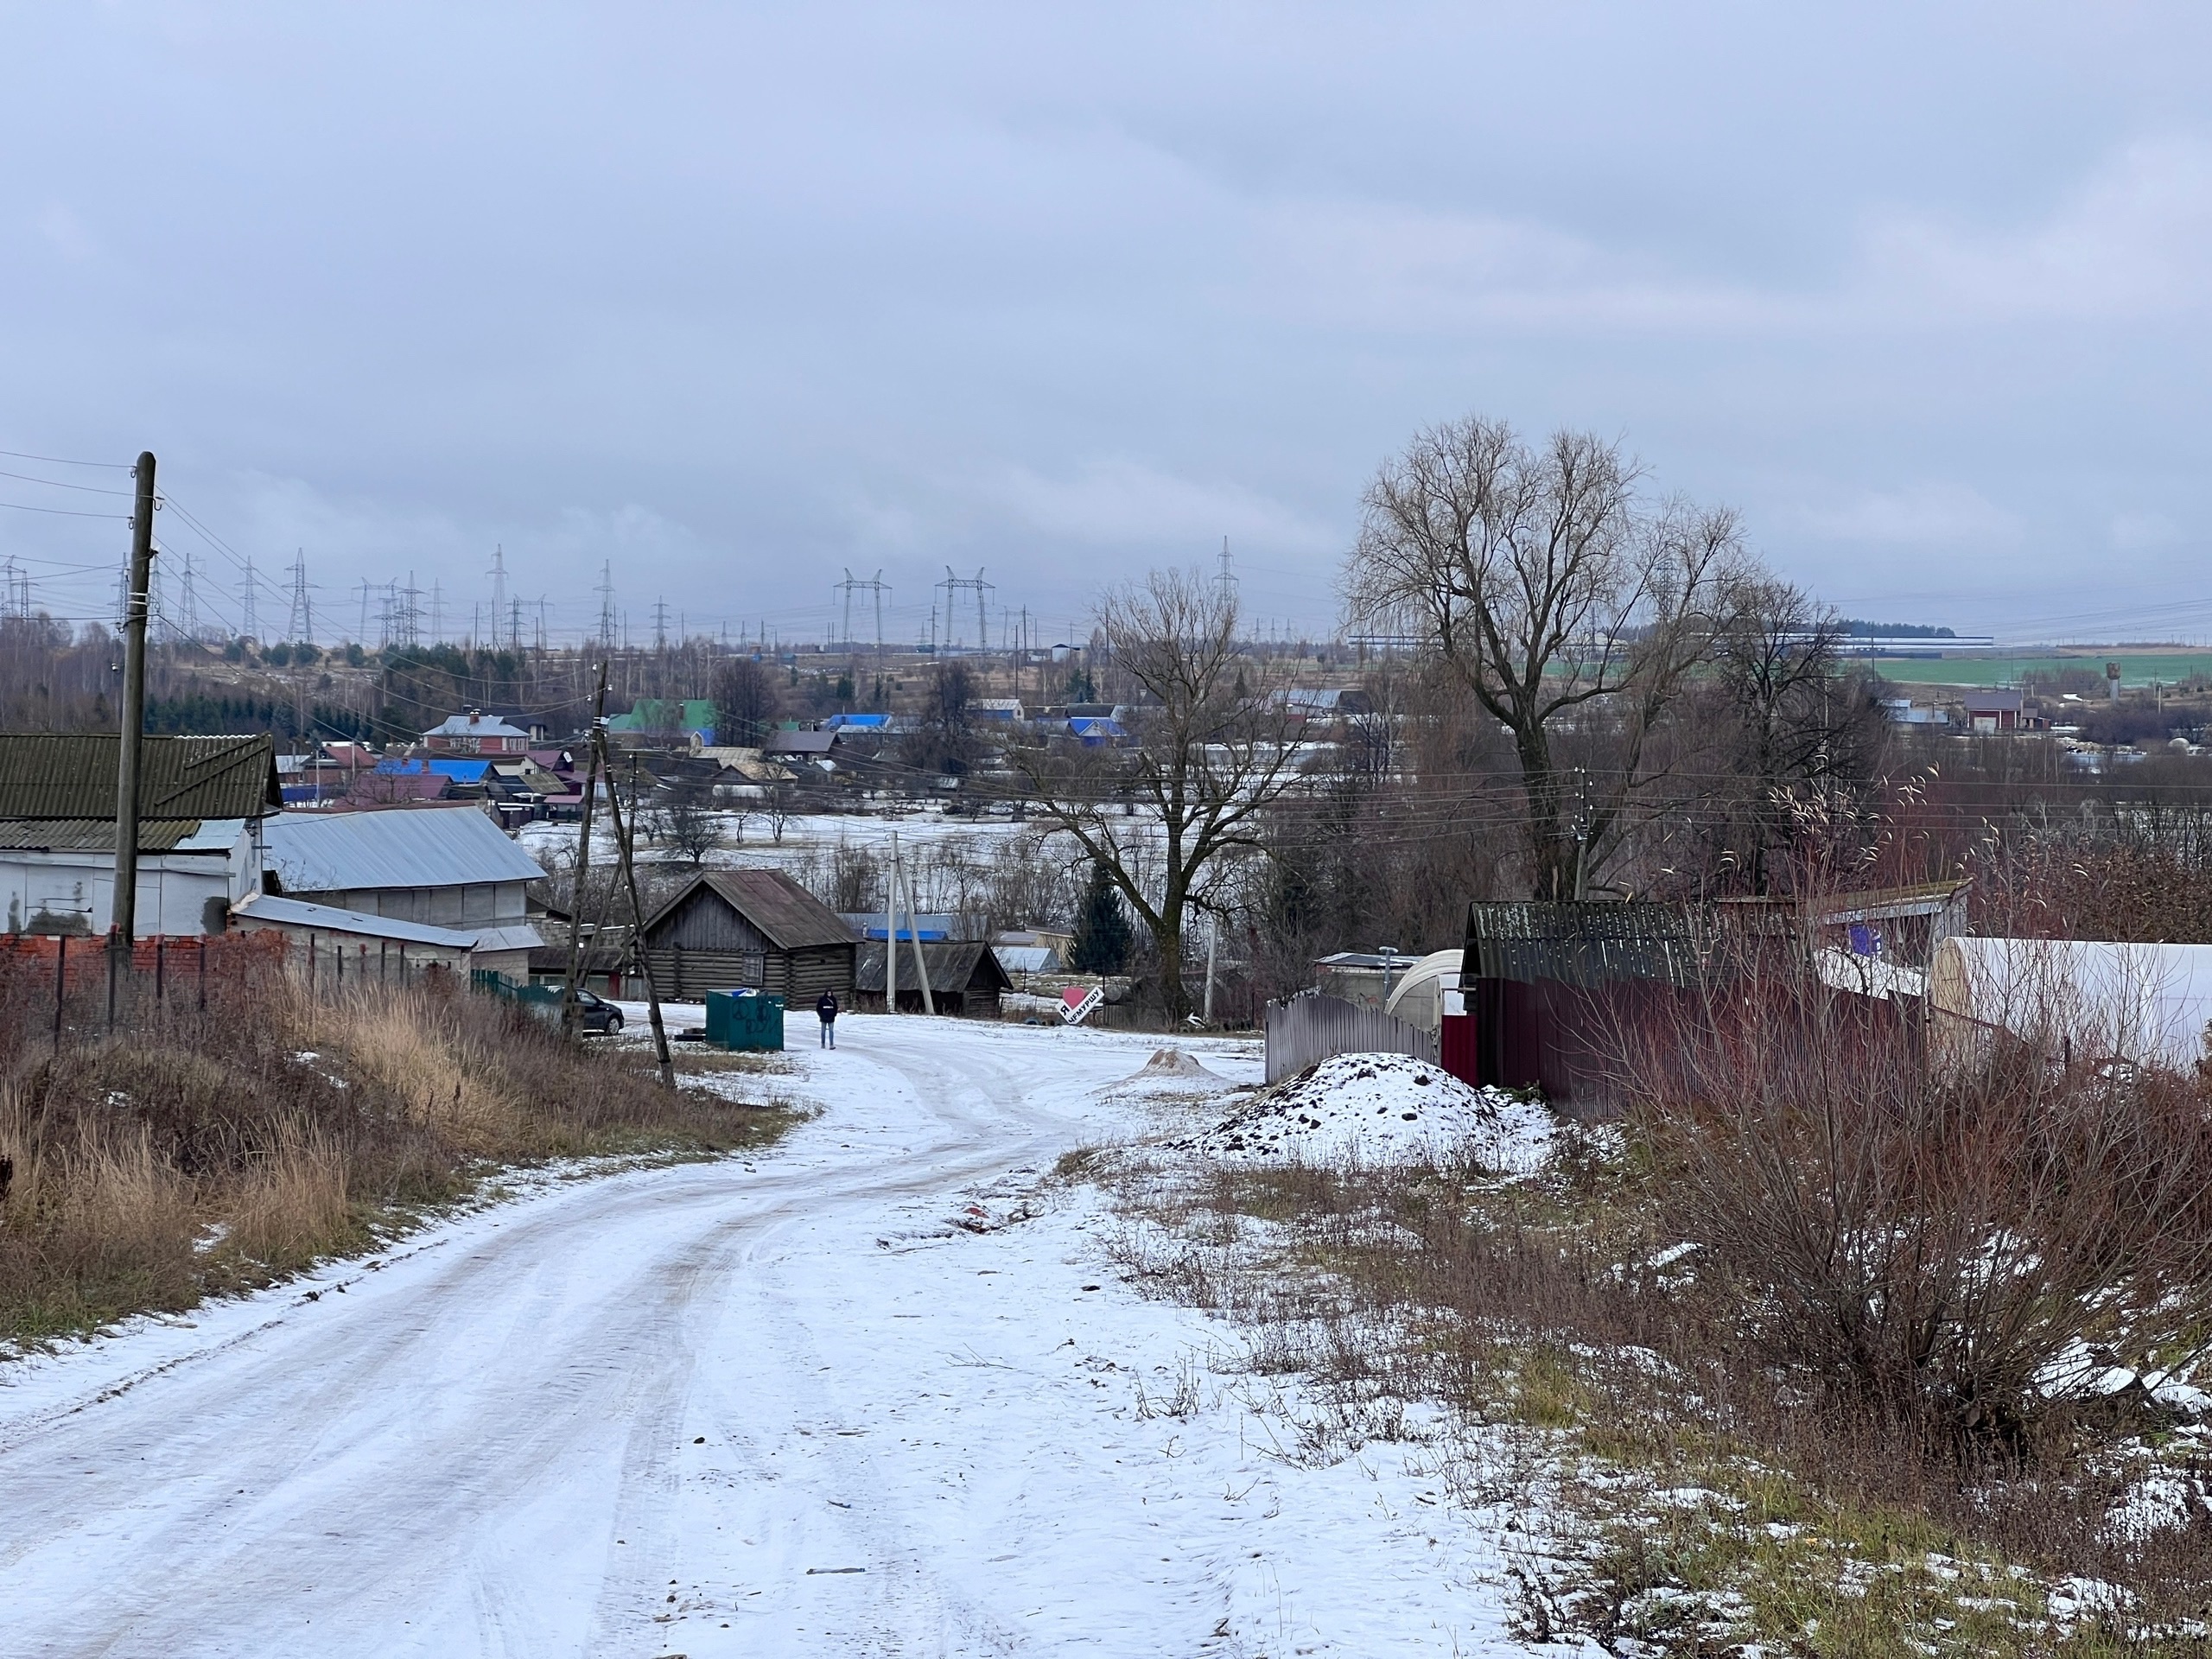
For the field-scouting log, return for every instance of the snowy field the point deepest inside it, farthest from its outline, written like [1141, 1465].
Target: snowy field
[877, 1391]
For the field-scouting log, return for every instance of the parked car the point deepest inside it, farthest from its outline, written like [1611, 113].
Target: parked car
[597, 1014]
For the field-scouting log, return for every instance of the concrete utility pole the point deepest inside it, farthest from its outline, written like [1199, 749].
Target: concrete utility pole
[569, 980]
[123, 913]
[891, 930]
[637, 914]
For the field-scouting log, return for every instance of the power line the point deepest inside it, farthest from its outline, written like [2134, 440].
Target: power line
[62, 513]
[62, 460]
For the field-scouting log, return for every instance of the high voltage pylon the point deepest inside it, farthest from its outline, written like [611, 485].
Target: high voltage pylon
[875, 585]
[499, 590]
[953, 586]
[607, 617]
[660, 625]
[302, 617]
[249, 621]
[188, 604]
[1224, 584]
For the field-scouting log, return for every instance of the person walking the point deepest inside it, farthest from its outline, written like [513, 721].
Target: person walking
[827, 1010]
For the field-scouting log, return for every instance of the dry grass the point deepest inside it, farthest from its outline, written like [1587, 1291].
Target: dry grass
[203, 1152]
[1677, 1488]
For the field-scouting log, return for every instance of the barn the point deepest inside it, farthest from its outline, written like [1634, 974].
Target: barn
[965, 977]
[756, 928]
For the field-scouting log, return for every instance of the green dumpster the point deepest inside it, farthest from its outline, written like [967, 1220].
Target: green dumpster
[745, 1020]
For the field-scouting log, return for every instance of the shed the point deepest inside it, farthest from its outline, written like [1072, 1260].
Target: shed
[752, 928]
[965, 978]
[443, 867]
[200, 799]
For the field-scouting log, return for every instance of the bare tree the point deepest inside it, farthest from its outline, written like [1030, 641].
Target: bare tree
[685, 819]
[1557, 600]
[1210, 750]
[1781, 717]
[747, 702]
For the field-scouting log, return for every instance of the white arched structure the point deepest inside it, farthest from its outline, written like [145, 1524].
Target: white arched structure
[1417, 997]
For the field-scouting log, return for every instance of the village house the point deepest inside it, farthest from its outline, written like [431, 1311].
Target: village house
[202, 801]
[476, 733]
[757, 929]
[964, 976]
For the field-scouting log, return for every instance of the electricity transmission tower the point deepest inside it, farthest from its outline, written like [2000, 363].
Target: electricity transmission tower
[606, 592]
[875, 585]
[953, 585]
[188, 604]
[499, 590]
[660, 625]
[249, 621]
[1224, 584]
[302, 619]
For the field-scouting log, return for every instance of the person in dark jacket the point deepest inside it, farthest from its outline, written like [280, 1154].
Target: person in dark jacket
[827, 1008]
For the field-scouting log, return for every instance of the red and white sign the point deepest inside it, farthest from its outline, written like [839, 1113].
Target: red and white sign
[1076, 1003]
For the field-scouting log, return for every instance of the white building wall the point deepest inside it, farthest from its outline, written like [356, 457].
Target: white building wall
[55, 892]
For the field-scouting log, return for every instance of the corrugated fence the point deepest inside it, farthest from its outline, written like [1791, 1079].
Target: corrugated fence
[1312, 1028]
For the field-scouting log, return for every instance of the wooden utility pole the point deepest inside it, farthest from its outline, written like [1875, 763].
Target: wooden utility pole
[124, 912]
[638, 922]
[570, 979]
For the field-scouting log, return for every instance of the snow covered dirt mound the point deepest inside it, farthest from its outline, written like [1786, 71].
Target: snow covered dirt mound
[1380, 1109]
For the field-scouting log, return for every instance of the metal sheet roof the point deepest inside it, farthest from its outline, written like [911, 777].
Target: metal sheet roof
[954, 965]
[44, 775]
[401, 846]
[92, 835]
[271, 909]
[792, 918]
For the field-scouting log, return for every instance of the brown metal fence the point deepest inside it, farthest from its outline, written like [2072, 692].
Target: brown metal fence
[55, 990]
[1312, 1028]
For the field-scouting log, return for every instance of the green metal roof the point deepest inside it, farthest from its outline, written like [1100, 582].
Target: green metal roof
[46, 775]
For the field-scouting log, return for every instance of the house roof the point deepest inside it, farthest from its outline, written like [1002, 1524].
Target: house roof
[792, 918]
[43, 775]
[98, 835]
[1581, 943]
[477, 724]
[799, 743]
[401, 846]
[275, 911]
[953, 964]
[2008, 700]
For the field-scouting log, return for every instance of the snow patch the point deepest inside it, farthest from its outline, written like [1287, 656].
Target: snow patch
[1381, 1108]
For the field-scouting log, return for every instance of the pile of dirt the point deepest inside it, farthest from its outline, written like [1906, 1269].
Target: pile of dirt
[1174, 1069]
[1380, 1109]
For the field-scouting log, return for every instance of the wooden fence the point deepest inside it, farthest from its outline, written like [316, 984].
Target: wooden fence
[1312, 1026]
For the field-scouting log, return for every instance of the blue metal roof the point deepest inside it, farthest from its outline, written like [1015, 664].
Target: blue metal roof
[396, 846]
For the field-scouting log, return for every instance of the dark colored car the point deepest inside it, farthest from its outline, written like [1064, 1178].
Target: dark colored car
[597, 1014]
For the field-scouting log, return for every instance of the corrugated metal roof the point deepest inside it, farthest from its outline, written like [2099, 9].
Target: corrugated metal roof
[45, 775]
[92, 835]
[1582, 944]
[271, 909]
[791, 916]
[403, 847]
[476, 725]
[953, 964]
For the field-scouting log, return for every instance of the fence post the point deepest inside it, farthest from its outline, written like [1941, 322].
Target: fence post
[161, 970]
[310, 961]
[203, 973]
[60, 985]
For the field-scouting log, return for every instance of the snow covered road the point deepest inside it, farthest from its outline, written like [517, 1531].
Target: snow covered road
[773, 1405]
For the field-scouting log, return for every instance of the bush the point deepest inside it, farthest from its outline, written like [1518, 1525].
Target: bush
[1962, 1241]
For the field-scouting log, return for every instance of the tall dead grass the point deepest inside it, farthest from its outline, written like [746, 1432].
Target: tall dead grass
[198, 1150]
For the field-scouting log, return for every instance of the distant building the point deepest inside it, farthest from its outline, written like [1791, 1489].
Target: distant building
[965, 978]
[476, 732]
[1904, 711]
[1999, 710]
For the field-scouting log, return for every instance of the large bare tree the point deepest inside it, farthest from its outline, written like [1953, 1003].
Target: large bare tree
[1572, 611]
[1210, 747]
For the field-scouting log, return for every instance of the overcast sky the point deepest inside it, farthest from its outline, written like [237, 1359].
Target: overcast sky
[736, 298]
